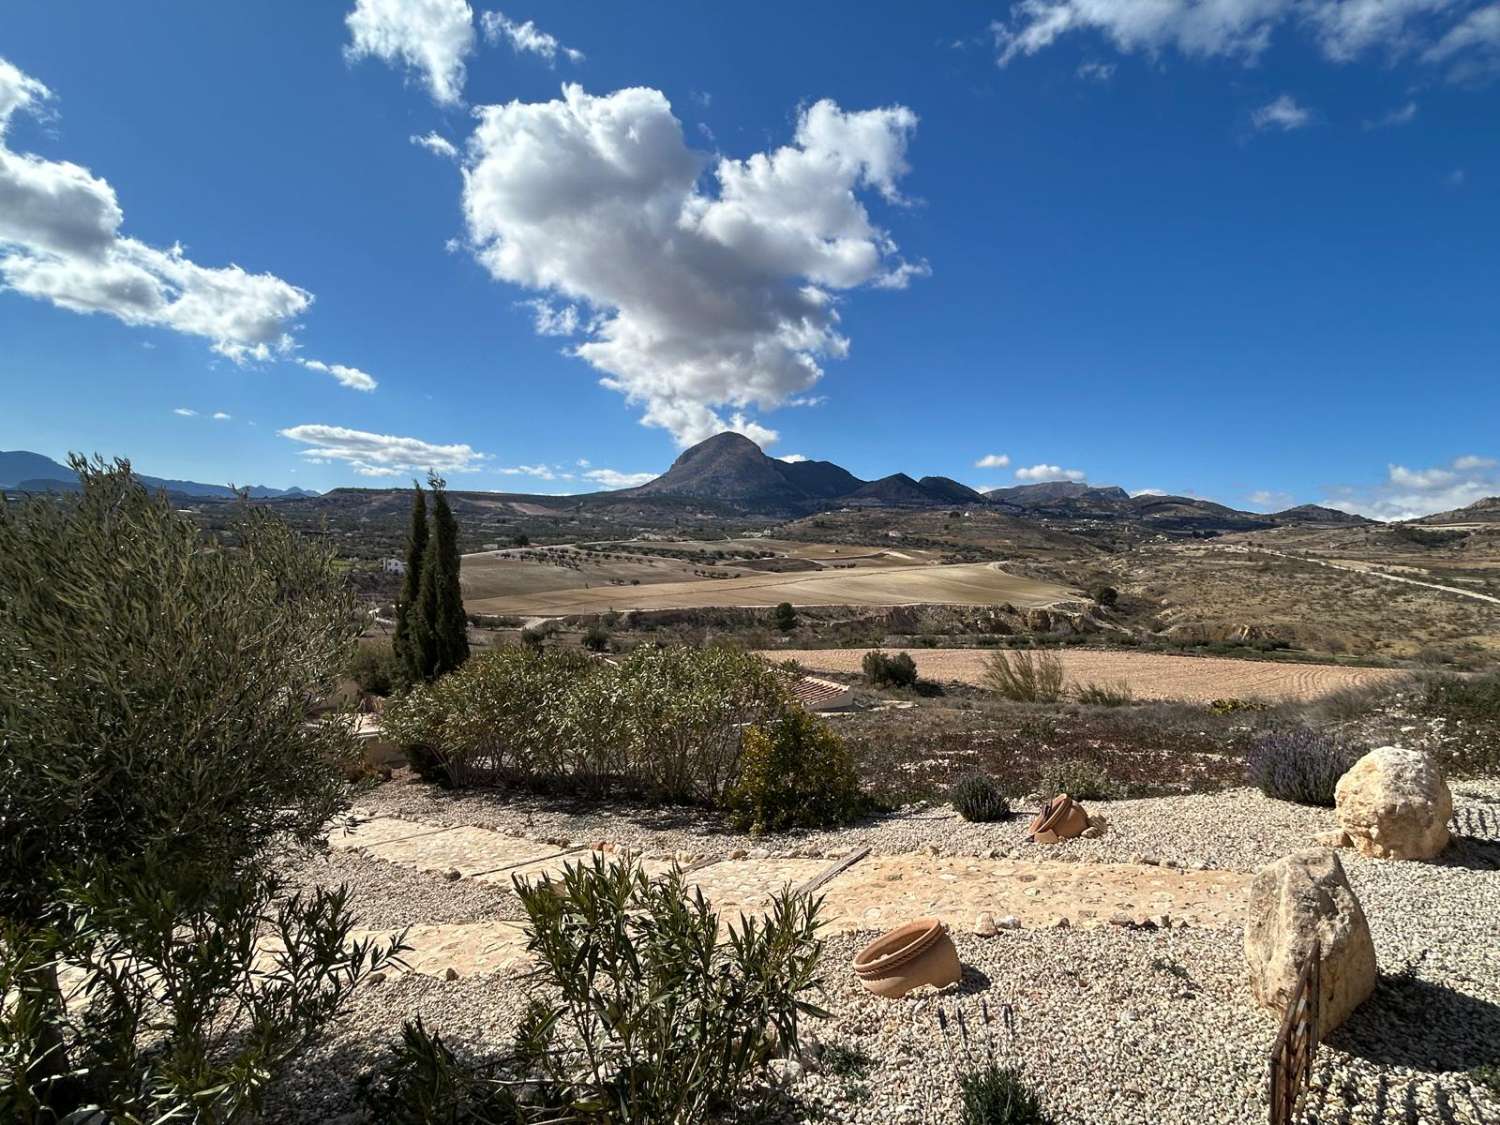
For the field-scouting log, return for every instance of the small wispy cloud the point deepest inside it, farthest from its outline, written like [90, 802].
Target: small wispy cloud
[993, 461]
[612, 478]
[1283, 113]
[525, 38]
[221, 416]
[436, 143]
[1402, 115]
[351, 377]
[184, 412]
[1096, 71]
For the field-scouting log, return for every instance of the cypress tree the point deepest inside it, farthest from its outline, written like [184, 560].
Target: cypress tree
[416, 553]
[440, 630]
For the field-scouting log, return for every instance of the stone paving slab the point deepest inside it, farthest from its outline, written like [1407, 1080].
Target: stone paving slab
[882, 892]
[877, 893]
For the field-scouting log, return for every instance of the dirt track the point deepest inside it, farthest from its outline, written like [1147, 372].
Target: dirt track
[1150, 675]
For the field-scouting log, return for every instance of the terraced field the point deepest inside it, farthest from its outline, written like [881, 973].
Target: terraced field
[1149, 675]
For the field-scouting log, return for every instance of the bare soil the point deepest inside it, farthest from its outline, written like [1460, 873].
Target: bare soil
[1148, 675]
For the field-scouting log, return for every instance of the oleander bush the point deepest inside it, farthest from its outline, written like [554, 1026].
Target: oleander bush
[885, 670]
[1025, 675]
[978, 798]
[666, 723]
[794, 773]
[1299, 764]
[658, 1018]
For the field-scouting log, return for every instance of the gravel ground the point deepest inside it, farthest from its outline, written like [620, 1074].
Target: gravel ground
[1113, 1026]
[1236, 829]
[388, 896]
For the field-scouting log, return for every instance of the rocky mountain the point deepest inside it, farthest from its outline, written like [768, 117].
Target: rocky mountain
[31, 472]
[1317, 514]
[1053, 491]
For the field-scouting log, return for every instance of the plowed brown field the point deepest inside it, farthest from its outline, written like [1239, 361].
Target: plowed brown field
[1149, 675]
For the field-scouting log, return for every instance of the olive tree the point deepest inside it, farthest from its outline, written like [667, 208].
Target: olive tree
[156, 736]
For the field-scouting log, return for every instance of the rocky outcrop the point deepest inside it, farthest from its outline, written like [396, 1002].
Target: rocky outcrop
[1300, 899]
[1394, 804]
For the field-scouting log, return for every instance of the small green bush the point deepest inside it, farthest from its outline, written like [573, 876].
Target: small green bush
[1233, 706]
[795, 773]
[424, 1083]
[1025, 675]
[978, 798]
[1475, 699]
[884, 670]
[996, 1095]
[1079, 779]
[374, 668]
[673, 1021]
[1104, 595]
[1102, 694]
[786, 617]
[596, 638]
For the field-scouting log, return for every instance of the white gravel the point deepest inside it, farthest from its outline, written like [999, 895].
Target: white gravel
[1114, 1026]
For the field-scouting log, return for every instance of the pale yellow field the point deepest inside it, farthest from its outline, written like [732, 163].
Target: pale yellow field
[1150, 675]
[959, 584]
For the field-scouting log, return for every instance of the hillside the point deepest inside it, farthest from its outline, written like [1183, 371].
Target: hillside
[32, 472]
[1481, 511]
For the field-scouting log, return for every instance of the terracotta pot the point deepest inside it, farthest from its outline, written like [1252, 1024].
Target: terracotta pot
[912, 955]
[1061, 818]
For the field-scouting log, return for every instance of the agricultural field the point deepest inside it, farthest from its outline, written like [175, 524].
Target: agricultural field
[1148, 675]
[693, 574]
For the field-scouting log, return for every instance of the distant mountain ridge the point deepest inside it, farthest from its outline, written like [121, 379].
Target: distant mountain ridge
[729, 468]
[32, 472]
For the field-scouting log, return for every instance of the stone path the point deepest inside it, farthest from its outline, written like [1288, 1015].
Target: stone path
[879, 892]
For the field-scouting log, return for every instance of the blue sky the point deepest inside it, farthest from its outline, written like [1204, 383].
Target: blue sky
[1245, 251]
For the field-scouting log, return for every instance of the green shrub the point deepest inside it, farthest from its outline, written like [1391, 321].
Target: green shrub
[1101, 694]
[884, 670]
[374, 668]
[1234, 706]
[786, 617]
[795, 773]
[978, 798]
[424, 1083]
[1079, 779]
[167, 972]
[1475, 699]
[996, 1095]
[1105, 595]
[1025, 675]
[663, 722]
[672, 1020]
[596, 638]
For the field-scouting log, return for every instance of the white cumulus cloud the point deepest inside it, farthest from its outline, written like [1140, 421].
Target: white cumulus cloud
[793, 458]
[1037, 473]
[382, 455]
[525, 37]
[993, 461]
[221, 416]
[351, 377]
[1407, 493]
[60, 241]
[429, 37]
[695, 298]
[1281, 113]
[611, 478]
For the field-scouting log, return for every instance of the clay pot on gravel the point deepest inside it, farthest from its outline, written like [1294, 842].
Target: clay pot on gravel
[908, 957]
[1061, 818]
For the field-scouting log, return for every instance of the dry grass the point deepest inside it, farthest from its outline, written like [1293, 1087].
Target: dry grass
[1147, 675]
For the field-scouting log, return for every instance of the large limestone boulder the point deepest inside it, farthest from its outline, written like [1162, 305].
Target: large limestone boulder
[1301, 898]
[1394, 804]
